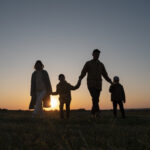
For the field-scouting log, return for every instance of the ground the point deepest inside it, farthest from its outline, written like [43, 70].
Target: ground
[19, 131]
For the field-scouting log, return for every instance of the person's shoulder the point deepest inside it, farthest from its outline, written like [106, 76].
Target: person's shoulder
[44, 71]
[89, 62]
[112, 85]
[101, 63]
[34, 73]
[120, 85]
[66, 83]
[58, 84]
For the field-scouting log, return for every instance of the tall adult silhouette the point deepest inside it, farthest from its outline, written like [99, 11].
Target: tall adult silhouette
[95, 70]
[40, 89]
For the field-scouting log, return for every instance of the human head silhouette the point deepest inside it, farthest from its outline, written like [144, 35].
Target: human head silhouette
[61, 77]
[38, 65]
[96, 53]
[116, 79]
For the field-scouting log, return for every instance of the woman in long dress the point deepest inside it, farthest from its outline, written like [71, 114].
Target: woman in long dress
[40, 89]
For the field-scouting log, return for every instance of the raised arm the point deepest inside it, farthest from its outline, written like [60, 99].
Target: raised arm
[76, 86]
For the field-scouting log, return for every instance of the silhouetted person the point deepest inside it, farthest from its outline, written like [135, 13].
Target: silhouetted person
[63, 89]
[117, 96]
[95, 71]
[40, 89]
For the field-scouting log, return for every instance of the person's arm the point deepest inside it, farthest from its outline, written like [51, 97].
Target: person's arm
[76, 86]
[49, 87]
[123, 95]
[55, 93]
[111, 89]
[83, 72]
[105, 75]
[32, 90]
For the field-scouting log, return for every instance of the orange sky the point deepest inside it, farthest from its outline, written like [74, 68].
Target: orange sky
[18, 97]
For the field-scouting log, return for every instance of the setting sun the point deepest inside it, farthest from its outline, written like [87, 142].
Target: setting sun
[54, 102]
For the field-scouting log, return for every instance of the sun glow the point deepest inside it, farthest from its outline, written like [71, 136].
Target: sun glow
[54, 102]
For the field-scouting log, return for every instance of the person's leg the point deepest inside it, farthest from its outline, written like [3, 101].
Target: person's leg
[61, 109]
[95, 93]
[91, 90]
[115, 109]
[38, 106]
[68, 109]
[121, 109]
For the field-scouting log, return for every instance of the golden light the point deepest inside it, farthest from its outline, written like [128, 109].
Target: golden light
[54, 102]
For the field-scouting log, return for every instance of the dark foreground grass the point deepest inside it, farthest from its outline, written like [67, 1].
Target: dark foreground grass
[18, 131]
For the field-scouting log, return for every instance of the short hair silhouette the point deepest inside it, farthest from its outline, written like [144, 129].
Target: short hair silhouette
[96, 51]
[61, 76]
[38, 65]
[116, 79]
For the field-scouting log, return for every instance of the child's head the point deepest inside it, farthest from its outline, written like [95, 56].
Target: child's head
[61, 77]
[116, 79]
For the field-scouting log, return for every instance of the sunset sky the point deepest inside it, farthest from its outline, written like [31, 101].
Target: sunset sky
[63, 34]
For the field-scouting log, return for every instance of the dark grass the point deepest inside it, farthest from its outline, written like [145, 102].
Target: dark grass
[18, 131]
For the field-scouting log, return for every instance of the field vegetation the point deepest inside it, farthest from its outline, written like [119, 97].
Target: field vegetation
[19, 131]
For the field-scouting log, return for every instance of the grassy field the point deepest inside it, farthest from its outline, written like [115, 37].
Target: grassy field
[18, 131]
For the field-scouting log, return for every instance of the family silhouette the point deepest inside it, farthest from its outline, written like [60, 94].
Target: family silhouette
[41, 88]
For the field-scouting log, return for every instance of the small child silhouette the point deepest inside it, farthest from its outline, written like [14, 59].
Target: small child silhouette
[117, 96]
[63, 89]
